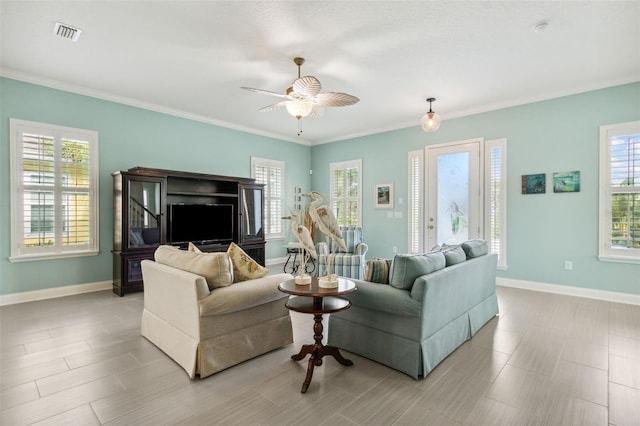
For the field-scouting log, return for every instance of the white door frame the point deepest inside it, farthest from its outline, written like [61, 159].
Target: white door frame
[476, 204]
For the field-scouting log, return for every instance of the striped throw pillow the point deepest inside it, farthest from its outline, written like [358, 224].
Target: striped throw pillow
[377, 270]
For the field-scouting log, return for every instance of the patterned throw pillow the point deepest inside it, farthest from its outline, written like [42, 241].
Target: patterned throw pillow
[377, 270]
[244, 267]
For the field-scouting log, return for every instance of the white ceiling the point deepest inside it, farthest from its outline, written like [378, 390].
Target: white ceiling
[191, 58]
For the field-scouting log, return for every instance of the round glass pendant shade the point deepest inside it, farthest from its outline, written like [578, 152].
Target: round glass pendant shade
[299, 108]
[430, 122]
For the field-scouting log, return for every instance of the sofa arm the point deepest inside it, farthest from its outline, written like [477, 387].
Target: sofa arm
[322, 248]
[451, 292]
[362, 249]
[173, 295]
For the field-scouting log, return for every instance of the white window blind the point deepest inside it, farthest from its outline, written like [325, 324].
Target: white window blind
[54, 191]
[416, 202]
[346, 192]
[271, 174]
[496, 202]
[620, 192]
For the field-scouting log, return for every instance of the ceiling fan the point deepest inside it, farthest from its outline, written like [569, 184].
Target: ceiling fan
[304, 99]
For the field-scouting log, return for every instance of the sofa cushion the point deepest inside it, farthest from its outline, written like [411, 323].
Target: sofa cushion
[216, 268]
[377, 270]
[453, 255]
[194, 248]
[475, 248]
[244, 267]
[405, 268]
[236, 298]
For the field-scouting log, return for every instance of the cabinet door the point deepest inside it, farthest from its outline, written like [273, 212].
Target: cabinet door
[145, 210]
[251, 213]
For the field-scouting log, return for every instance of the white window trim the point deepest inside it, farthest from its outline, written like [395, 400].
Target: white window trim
[346, 165]
[18, 252]
[605, 251]
[266, 162]
[502, 143]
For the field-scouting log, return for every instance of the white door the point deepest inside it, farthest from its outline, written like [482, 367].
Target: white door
[454, 208]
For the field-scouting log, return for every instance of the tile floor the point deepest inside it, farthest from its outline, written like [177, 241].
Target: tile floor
[547, 359]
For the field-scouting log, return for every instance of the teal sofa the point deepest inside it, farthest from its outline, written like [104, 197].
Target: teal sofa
[426, 311]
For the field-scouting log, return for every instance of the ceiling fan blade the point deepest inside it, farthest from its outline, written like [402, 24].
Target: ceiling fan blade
[316, 112]
[266, 92]
[335, 99]
[273, 107]
[307, 86]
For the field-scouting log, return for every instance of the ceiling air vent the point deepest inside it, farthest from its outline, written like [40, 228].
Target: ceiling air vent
[67, 31]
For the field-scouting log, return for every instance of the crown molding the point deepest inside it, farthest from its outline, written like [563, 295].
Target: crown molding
[84, 91]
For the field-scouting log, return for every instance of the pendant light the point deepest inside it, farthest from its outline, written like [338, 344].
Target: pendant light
[431, 120]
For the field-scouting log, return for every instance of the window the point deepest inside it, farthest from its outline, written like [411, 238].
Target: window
[346, 193]
[416, 202]
[495, 202]
[620, 192]
[271, 174]
[496, 199]
[54, 191]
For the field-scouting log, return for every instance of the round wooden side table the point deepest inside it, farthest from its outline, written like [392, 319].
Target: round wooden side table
[317, 300]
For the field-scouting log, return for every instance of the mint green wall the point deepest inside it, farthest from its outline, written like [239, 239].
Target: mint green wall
[128, 137]
[544, 137]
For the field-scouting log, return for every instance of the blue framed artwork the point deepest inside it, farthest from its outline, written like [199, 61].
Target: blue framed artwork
[534, 184]
[566, 182]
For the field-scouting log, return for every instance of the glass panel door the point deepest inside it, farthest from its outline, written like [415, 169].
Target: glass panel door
[145, 212]
[251, 225]
[454, 208]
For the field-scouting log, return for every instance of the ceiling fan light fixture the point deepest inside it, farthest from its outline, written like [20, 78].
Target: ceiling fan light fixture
[299, 108]
[431, 120]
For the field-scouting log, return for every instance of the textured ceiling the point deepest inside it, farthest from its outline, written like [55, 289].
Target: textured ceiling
[191, 58]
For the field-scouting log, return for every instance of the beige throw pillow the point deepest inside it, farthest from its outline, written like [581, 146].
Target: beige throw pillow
[216, 268]
[244, 267]
[194, 248]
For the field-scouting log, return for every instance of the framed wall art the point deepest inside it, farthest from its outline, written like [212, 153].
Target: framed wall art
[534, 184]
[566, 182]
[384, 196]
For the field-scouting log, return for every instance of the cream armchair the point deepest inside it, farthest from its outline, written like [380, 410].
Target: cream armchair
[206, 331]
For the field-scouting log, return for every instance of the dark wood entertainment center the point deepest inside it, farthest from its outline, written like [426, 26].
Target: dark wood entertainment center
[143, 199]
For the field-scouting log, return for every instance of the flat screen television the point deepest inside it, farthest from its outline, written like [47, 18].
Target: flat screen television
[202, 223]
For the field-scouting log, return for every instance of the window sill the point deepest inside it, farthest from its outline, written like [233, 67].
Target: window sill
[38, 257]
[619, 259]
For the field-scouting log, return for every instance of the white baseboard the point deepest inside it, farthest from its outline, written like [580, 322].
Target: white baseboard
[589, 293]
[50, 293]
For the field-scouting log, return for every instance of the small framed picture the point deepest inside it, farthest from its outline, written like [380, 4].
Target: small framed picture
[566, 182]
[534, 184]
[384, 196]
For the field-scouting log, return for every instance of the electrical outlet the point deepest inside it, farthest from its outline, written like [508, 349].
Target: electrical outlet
[395, 249]
[568, 265]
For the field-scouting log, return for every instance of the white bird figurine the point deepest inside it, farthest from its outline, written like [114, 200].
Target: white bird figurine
[323, 218]
[303, 236]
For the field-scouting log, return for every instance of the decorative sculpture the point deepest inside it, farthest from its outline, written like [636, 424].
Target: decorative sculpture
[323, 219]
[303, 236]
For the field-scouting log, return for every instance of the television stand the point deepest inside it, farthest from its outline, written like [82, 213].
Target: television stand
[142, 198]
